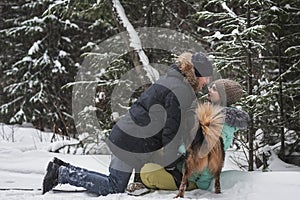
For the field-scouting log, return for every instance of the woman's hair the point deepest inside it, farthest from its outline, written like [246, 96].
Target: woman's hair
[184, 63]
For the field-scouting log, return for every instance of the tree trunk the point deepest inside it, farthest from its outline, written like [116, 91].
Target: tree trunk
[282, 117]
[250, 88]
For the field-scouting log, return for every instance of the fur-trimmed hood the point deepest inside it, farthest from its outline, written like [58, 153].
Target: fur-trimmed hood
[186, 67]
[236, 118]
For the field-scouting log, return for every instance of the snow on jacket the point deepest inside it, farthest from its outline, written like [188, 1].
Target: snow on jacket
[156, 121]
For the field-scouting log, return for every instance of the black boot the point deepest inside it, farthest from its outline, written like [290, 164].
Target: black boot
[60, 162]
[51, 177]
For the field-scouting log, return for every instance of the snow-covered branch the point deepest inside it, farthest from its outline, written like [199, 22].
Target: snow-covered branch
[135, 41]
[231, 13]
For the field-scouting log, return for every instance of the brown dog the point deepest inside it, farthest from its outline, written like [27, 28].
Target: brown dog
[206, 150]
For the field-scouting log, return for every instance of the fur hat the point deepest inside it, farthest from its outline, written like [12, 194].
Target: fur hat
[230, 91]
[202, 65]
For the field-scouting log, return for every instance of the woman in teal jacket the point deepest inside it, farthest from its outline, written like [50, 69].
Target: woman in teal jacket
[222, 92]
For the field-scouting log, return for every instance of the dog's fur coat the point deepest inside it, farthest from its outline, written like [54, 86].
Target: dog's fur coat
[206, 150]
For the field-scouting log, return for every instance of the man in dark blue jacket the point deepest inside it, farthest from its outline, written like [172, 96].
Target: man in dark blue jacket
[151, 131]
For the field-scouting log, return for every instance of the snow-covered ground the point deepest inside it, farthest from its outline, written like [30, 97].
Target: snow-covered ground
[24, 156]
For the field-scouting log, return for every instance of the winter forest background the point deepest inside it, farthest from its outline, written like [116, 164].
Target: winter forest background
[43, 44]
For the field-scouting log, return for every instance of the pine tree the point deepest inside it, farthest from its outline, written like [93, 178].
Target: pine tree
[10, 11]
[40, 65]
[283, 39]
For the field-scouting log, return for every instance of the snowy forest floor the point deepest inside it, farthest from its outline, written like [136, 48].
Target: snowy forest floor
[24, 156]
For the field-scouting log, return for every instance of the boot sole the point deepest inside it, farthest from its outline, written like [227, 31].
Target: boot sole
[49, 167]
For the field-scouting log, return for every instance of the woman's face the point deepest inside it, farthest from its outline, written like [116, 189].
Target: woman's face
[213, 94]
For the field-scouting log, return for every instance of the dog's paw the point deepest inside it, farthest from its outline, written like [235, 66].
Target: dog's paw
[218, 191]
[179, 195]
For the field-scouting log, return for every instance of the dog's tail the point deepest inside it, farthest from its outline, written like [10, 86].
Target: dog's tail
[212, 120]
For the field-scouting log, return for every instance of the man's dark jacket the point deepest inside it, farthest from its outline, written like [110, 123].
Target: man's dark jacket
[170, 103]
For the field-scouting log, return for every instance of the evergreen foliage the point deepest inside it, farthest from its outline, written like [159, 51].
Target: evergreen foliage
[44, 44]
